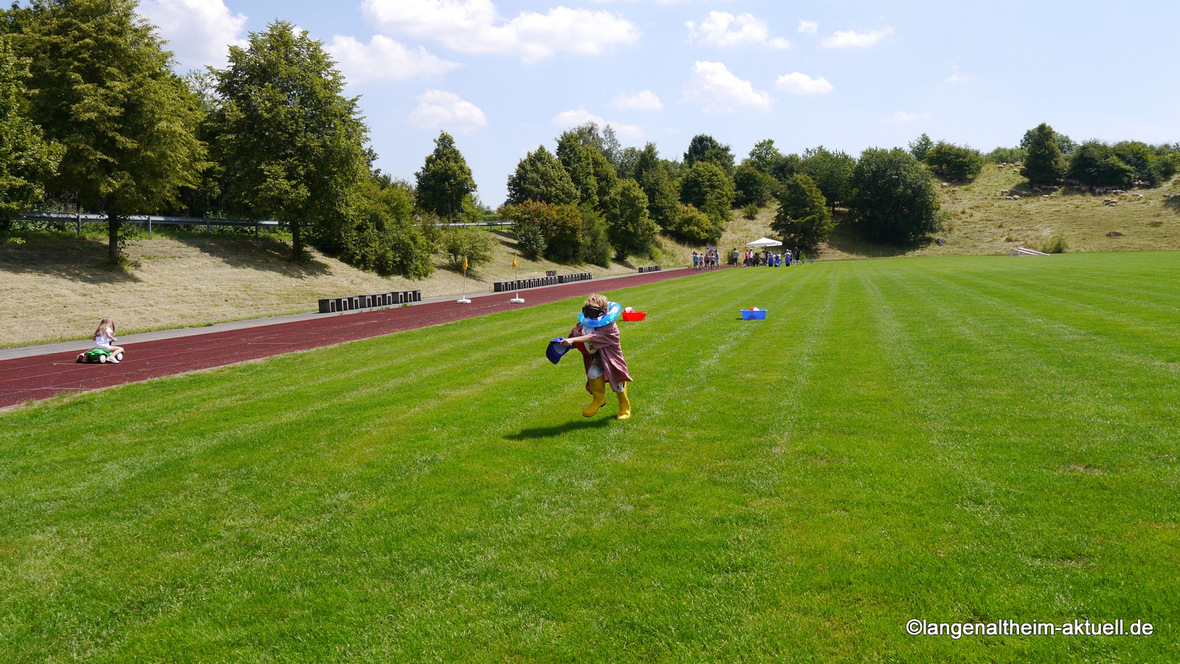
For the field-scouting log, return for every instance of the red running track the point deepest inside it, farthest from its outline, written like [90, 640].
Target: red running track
[43, 376]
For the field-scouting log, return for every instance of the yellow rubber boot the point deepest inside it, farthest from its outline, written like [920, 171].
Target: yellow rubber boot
[597, 387]
[624, 404]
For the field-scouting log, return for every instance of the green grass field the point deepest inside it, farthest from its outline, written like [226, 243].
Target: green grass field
[949, 439]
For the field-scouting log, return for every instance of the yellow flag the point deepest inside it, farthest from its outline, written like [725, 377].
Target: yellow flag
[513, 261]
[464, 263]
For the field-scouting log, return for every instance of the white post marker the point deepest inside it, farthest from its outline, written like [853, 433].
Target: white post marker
[518, 299]
[464, 300]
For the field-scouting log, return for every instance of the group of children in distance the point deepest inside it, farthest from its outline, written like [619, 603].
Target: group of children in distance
[707, 261]
[771, 259]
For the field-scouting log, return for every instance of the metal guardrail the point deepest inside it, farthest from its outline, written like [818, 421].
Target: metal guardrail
[154, 220]
[150, 220]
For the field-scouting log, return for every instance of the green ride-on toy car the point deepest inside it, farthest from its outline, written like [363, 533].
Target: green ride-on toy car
[98, 355]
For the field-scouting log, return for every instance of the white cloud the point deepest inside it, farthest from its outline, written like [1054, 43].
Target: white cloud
[199, 32]
[802, 84]
[644, 100]
[712, 84]
[725, 30]
[808, 27]
[582, 116]
[902, 116]
[384, 59]
[447, 111]
[853, 39]
[473, 26]
[956, 77]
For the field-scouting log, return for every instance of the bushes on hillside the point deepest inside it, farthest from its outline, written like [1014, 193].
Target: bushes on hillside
[468, 243]
[1097, 164]
[560, 233]
[384, 238]
[1006, 155]
[955, 162]
[696, 227]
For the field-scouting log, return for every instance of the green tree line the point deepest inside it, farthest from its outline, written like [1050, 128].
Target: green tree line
[95, 118]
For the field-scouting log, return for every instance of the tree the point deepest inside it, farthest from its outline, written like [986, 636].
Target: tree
[101, 85]
[1044, 163]
[803, 219]
[292, 144]
[787, 166]
[575, 158]
[954, 161]
[1065, 143]
[920, 146]
[893, 198]
[752, 186]
[703, 147]
[445, 180]
[27, 160]
[629, 226]
[604, 141]
[541, 177]
[662, 196]
[765, 157]
[627, 159]
[830, 171]
[707, 187]
[596, 246]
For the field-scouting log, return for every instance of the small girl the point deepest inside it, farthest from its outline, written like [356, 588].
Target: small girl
[104, 338]
[597, 336]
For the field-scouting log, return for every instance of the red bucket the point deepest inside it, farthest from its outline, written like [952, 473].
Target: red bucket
[634, 315]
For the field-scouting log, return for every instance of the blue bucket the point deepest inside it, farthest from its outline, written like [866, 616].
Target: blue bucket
[753, 315]
[556, 350]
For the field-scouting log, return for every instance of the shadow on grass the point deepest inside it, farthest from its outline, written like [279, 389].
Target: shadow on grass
[506, 239]
[61, 255]
[550, 432]
[1173, 204]
[848, 241]
[268, 254]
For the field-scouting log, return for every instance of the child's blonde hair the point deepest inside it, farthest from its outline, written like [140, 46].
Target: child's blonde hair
[105, 325]
[598, 301]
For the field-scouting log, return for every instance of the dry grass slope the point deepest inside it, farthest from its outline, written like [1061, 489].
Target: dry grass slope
[191, 280]
[982, 221]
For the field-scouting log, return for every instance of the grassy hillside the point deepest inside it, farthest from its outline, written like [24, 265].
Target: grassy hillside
[964, 439]
[982, 221]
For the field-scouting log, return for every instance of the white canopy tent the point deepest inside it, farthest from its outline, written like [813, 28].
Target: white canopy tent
[762, 243]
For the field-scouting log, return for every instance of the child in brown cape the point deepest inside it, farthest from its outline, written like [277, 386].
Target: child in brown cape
[596, 335]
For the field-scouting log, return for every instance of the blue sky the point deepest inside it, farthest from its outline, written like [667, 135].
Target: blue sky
[504, 77]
